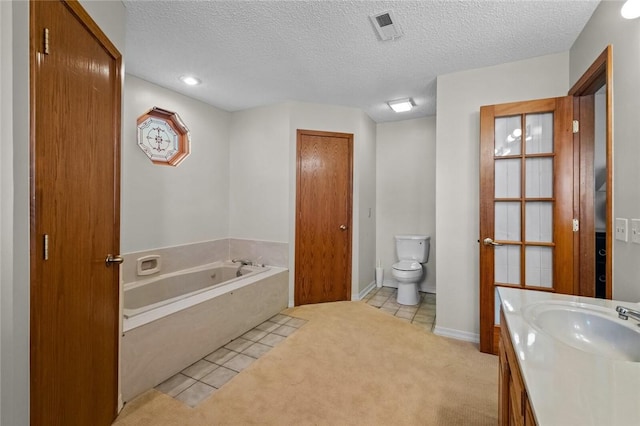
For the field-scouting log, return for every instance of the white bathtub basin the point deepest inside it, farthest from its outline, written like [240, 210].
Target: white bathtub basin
[589, 328]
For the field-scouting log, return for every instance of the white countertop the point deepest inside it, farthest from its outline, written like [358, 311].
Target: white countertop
[567, 386]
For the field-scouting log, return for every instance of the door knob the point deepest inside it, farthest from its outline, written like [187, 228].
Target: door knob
[111, 259]
[343, 227]
[490, 242]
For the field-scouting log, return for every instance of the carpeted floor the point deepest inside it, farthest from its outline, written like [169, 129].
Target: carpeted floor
[351, 364]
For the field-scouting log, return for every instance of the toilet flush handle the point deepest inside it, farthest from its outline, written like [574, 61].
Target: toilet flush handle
[343, 227]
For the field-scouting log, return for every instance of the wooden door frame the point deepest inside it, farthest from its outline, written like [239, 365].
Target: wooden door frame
[92, 27]
[598, 74]
[348, 136]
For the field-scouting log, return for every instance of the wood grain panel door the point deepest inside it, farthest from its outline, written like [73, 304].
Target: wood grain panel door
[75, 180]
[323, 217]
[526, 203]
[594, 183]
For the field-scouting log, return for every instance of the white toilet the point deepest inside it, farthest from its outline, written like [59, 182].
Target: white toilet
[412, 251]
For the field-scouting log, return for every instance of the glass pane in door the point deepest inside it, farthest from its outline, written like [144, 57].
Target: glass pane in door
[507, 221]
[539, 177]
[507, 264]
[508, 136]
[539, 266]
[539, 221]
[539, 133]
[507, 178]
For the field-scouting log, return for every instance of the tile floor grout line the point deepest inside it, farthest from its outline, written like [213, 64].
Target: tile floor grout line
[184, 395]
[389, 294]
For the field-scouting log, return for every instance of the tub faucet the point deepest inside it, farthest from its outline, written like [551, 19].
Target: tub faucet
[242, 263]
[625, 313]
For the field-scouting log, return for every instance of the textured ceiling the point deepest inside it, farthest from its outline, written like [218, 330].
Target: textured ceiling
[252, 53]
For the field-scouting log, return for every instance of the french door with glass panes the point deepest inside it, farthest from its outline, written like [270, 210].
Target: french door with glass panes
[526, 203]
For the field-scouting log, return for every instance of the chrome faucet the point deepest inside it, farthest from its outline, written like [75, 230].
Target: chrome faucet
[625, 313]
[242, 263]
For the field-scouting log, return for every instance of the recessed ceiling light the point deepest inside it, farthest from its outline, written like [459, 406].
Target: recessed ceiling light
[631, 9]
[401, 105]
[190, 80]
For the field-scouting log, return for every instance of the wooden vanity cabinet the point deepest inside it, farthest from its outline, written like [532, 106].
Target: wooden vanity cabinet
[513, 405]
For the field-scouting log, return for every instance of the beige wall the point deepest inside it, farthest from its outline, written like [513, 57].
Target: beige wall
[13, 322]
[188, 203]
[405, 188]
[605, 27]
[6, 170]
[259, 174]
[460, 96]
[365, 185]
[110, 18]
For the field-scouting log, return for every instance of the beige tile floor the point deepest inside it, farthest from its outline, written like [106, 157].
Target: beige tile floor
[422, 315]
[204, 377]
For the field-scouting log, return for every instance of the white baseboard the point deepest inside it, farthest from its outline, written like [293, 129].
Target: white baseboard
[365, 291]
[457, 334]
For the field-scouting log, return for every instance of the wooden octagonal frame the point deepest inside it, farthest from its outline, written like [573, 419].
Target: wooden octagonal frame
[173, 120]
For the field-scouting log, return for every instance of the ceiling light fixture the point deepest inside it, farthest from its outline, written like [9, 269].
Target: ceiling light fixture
[401, 105]
[631, 9]
[190, 80]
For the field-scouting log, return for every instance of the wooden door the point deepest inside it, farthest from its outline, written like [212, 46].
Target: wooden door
[323, 217]
[75, 180]
[593, 262]
[526, 203]
[584, 203]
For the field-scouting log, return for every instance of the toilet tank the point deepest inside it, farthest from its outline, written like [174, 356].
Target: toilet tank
[413, 247]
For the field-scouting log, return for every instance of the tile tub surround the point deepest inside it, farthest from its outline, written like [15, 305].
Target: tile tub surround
[176, 258]
[567, 386]
[161, 348]
[264, 252]
[187, 256]
[207, 375]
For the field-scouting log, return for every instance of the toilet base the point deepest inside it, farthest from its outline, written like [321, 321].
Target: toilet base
[408, 294]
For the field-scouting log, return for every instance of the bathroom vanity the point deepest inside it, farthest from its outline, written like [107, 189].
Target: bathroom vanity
[567, 360]
[514, 406]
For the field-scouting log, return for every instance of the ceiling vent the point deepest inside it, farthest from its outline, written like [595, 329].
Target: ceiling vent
[386, 26]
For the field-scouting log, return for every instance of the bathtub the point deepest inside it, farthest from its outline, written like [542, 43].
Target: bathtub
[173, 320]
[145, 295]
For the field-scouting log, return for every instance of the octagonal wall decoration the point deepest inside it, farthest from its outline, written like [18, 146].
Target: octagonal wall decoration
[163, 137]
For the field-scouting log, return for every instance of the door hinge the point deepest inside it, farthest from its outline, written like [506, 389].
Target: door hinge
[576, 225]
[45, 40]
[576, 126]
[45, 250]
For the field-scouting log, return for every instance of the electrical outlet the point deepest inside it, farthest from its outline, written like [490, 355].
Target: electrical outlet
[635, 231]
[621, 229]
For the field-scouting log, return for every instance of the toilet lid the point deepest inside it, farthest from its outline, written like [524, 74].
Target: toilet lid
[407, 265]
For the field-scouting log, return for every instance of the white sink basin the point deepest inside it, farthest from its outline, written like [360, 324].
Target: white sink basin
[589, 328]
